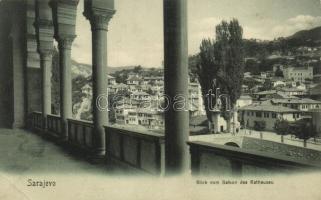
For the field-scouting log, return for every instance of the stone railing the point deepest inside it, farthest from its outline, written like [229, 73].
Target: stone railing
[36, 120]
[220, 160]
[142, 150]
[54, 125]
[80, 133]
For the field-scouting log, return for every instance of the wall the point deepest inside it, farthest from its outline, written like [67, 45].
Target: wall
[34, 89]
[6, 73]
[143, 151]
[300, 153]
[220, 160]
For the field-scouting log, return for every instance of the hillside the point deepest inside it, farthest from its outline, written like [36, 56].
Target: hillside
[310, 37]
[85, 70]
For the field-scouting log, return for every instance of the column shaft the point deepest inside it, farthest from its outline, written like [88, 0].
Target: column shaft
[45, 63]
[65, 87]
[176, 83]
[100, 114]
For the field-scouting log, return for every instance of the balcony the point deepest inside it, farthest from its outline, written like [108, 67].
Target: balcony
[144, 152]
[140, 151]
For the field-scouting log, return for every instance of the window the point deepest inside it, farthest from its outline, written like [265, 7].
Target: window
[266, 115]
[258, 114]
[273, 115]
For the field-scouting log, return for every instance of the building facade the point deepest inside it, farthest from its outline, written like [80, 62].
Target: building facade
[298, 74]
[269, 114]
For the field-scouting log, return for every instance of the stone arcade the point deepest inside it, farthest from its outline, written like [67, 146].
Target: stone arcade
[29, 28]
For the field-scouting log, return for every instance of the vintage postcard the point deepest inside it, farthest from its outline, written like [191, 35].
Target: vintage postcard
[160, 99]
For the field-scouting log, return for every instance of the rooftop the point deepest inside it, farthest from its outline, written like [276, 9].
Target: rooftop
[292, 90]
[296, 101]
[134, 78]
[268, 108]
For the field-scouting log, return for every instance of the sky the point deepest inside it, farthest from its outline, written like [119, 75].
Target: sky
[135, 35]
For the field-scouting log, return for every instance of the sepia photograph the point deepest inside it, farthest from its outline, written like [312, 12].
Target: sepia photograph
[160, 99]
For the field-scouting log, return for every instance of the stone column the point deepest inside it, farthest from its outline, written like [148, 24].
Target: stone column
[44, 34]
[64, 46]
[176, 83]
[64, 18]
[18, 61]
[45, 64]
[33, 72]
[99, 14]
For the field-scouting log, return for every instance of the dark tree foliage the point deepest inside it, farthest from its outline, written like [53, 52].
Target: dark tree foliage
[77, 83]
[253, 66]
[207, 70]
[278, 72]
[282, 127]
[221, 63]
[259, 125]
[303, 129]
[231, 58]
[267, 85]
[138, 69]
[192, 67]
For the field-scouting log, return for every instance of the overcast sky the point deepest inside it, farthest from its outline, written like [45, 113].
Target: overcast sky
[135, 34]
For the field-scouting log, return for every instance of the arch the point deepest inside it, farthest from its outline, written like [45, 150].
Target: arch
[233, 144]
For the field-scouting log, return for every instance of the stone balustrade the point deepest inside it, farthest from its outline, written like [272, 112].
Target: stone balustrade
[80, 134]
[221, 160]
[36, 120]
[54, 125]
[136, 149]
[144, 151]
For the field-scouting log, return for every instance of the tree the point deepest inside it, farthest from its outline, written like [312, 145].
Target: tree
[259, 126]
[207, 70]
[222, 60]
[303, 129]
[282, 127]
[138, 69]
[267, 85]
[278, 72]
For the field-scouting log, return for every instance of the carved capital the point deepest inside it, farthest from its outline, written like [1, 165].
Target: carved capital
[46, 54]
[65, 42]
[100, 20]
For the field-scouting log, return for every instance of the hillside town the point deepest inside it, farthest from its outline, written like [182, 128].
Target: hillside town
[140, 101]
[287, 92]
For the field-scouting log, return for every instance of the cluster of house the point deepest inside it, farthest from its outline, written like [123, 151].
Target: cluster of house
[293, 97]
[140, 101]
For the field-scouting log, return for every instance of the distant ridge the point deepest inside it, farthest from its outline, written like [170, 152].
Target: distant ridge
[310, 37]
[85, 69]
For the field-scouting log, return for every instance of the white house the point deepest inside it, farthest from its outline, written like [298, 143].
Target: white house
[111, 80]
[133, 80]
[298, 74]
[140, 96]
[303, 104]
[244, 100]
[294, 91]
[121, 113]
[254, 113]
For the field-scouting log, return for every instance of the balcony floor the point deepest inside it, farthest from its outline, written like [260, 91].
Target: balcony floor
[23, 152]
